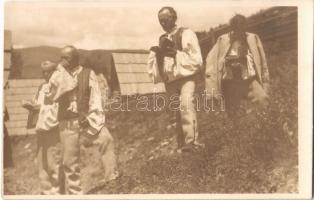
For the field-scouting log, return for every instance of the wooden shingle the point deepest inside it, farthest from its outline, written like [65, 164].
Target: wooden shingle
[7, 40]
[134, 78]
[16, 124]
[6, 60]
[133, 58]
[20, 131]
[25, 83]
[19, 117]
[18, 97]
[6, 74]
[17, 91]
[20, 91]
[17, 110]
[132, 74]
[131, 68]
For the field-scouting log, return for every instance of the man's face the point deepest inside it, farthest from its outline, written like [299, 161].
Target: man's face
[239, 27]
[68, 59]
[166, 20]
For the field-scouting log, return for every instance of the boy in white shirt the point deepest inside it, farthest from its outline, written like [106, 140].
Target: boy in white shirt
[48, 138]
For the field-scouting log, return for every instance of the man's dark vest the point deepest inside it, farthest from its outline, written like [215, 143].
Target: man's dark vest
[239, 60]
[177, 39]
[83, 95]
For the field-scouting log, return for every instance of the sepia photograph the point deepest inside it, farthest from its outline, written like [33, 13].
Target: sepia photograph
[157, 100]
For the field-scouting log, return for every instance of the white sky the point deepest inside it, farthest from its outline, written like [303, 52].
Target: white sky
[108, 25]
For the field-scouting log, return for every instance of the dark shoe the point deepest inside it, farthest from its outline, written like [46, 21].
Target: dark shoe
[192, 147]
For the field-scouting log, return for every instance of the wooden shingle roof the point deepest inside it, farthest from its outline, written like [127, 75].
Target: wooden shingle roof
[6, 60]
[132, 74]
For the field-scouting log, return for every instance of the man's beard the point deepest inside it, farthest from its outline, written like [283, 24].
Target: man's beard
[238, 34]
[168, 28]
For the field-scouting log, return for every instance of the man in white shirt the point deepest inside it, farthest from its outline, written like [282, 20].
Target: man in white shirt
[81, 118]
[178, 59]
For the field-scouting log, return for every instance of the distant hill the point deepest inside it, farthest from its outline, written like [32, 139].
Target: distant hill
[99, 60]
[32, 57]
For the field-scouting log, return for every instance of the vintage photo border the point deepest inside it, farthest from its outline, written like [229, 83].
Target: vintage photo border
[305, 107]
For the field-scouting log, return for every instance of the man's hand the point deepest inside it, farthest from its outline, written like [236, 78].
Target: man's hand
[83, 122]
[167, 47]
[170, 52]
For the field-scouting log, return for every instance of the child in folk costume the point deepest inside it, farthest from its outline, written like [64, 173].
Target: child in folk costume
[47, 130]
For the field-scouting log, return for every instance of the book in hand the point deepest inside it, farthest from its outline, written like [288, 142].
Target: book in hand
[32, 114]
[30, 105]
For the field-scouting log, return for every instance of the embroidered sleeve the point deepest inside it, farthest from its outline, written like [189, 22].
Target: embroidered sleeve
[190, 57]
[60, 83]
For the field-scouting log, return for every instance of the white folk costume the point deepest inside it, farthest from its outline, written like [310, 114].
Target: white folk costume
[188, 59]
[48, 141]
[81, 121]
[48, 112]
[178, 72]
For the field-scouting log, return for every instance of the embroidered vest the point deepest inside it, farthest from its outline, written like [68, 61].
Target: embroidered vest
[83, 95]
[177, 39]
